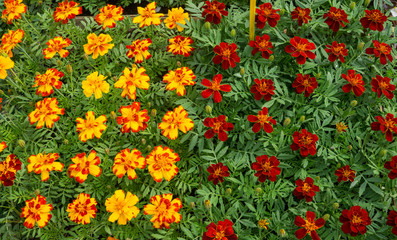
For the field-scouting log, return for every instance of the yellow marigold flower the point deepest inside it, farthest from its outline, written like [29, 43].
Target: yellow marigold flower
[109, 15]
[10, 40]
[43, 164]
[98, 45]
[95, 84]
[148, 16]
[82, 209]
[139, 50]
[14, 9]
[47, 81]
[172, 121]
[5, 63]
[83, 166]
[3, 146]
[164, 210]
[176, 15]
[36, 210]
[132, 119]
[178, 79]
[341, 127]
[46, 111]
[67, 10]
[131, 80]
[56, 45]
[161, 163]
[180, 46]
[126, 161]
[91, 127]
[122, 207]
[262, 223]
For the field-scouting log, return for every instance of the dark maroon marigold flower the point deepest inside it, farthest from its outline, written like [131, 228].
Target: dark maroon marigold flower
[218, 126]
[387, 126]
[301, 48]
[302, 14]
[214, 87]
[355, 221]
[305, 84]
[392, 221]
[374, 20]
[381, 51]
[309, 226]
[335, 17]
[381, 85]
[217, 172]
[263, 88]
[226, 54]
[392, 166]
[356, 83]
[222, 231]
[213, 11]
[266, 168]
[305, 189]
[262, 120]
[266, 13]
[345, 174]
[262, 44]
[336, 50]
[305, 141]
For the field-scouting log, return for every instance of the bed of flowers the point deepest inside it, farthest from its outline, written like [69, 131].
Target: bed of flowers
[275, 120]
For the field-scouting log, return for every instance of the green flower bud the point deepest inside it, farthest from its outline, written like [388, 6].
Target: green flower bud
[283, 233]
[207, 204]
[228, 191]
[179, 64]
[69, 69]
[66, 142]
[282, 11]
[9, 90]
[383, 152]
[208, 109]
[318, 75]
[353, 103]
[335, 205]
[207, 25]
[302, 118]
[233, 32]
[143, 141]
[37, 73]
[113, 115]
[149, 148]
[349, 148]
[153, 113]
[242, 71]
[192, 204]
[85, 56]
[352, 5]
[258, 190]
[109, 73]
[271, 58]
[360, 46]
[149, 104]
[338, 165]
[367, 2]
[108, 187]
[107, 151]
[1, 92]
[326, 217]
[59, 63]
[287, 121]
[37, 192]
[317, 178]
[21, 143]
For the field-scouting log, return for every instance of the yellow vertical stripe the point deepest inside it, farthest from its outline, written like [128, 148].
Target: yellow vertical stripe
[252, 19]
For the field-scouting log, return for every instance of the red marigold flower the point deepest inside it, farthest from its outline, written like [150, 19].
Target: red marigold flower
[305, 84]
[226, 54]
[67, 10]
[305, 189]
[263, 88]
[392, 165]
[262, 120]
[345, 174]
[262, 44]
[266, 13]
[335, 18]
[301, 49]
[356, 83]
[36, 210]
[222, 231]
[8, 169]
[305, 141]
[217, 172]
[218, 126]
[380, 50]
[213, 11]
[266, 168]
[302, 14]
[387, 126]
[382, 85]
[309, 226]
[374, 20]
[355, 221]
[214, 87]
[336, 50]
[392, 221]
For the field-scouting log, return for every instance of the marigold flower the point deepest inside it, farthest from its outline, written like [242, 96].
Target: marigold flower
[336, 50]
[82, 209]
[218, 126]
[132, 119]
[262, 223]
[98, 45]
[217, 172]
[47, 112]
[374, 20]
[305, 141]
[354, 221]
[5, 63]
[392, 221]
[1, 100]
[48, 81]
[213, 11]
[56, 45]
[223, 230]
[161, 163]
[131, 80]
[10, 40]
[263, 88]
[95, 84]
[302, 14]
[341, 127]
[3, 144]
[109, 15]
[127, 161]
[164, 210]
[14, 9]
[43, 164]
[392, 166]
[309, 226]
[381, 51]
[301, 49]
[304, 83]
[262, 120]
[139, 50]
[148, 16]
[214, 87]
[226, 54]
[83, 166]
[305, 189]
[122, 206]
[356, 83]
[91, 127]
[178, 79]
[176, 15]
[36, 210]
[266, 13]
[387, 126]
[382, 85]
[262, 44]
[67, 10]
[180, 46]
[8, 169]
[335, 17]
[266, 168]
[172, 121]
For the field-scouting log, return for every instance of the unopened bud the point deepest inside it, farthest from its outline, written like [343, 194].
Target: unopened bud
[192, 204]
[149, 148]
[258, 190]
[233, 32]
[228, 191]
[353, 103]
[367, 2]
[37, 73]
[109, 73]
[107, 151]
[208, 109]
[227, 119]
[143, 141]
[207, 25]
[318, 75]
[285, 31]
[59, 63]
[242, 71]
[335, 205]
[9, 90]
[115, 78]
[302, 118]
[21, 143]
[282, 11]
[37, 192]
[317, 178]
[66, 142]
[360, 46]
[40, 2]
[326, 217]
[271, 58]
[1, 92]
[85, 56]
[149, 104]
[283, 233]
[207, 204]
[349, 148]
[113, 115]
[338, 165]
[109, 187]
[383, 152]
[352, 5]
[153, 112]
[287, 121]
[69, 69]
[178, 63]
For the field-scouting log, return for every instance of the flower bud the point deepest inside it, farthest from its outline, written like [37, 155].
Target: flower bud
[338, 165]
[360, 46]
[69, 69]
[31, 104]
[40, 2]
[107, 151]
[153, 113]
[283, 233]
[258, 190]
[233, 32]
[178, 63]
[208, 109]
[134, 66]
[349, 148]
[353, 103]
[242, 71]
[367, 2]
[37, 192]
[149, 148]
[317, 178]
[271, 58]
[282, 11]
[21, 143]
[207, 204]
[207, 25]
[318, 75]
[335, 205]
[287, 121]
[302, 118]
[149, 104]
[112, 115]
[59, 63]
[85, 56]
[352, 5]
[227, 119]
[1, 92]
[143, 141]
[115, 78]
[9, 90]
[228, 191]
[108, 187]
[66, 142]
[109, 73]
[285, 31]
[192, 204]
[326, 217]
[383, 152]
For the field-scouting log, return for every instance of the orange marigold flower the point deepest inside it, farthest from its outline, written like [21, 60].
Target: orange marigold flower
[262, 44]
[374, 20]
[131, 80]
[43, 164]
[139, 50]
[132, 119]
[164, 210]
[3, 144]
[301, 48]
[47, 112]
[345, 174]
[56, 45]
[355, 221]
[387, 126]
[178, 79]
[5, 63]
[82, 209]
[214, 87]
[91, 127]
[95, 84]
[180, 46]
[381, 51]
[36, 210]
[226, 54]
[381, 85]
[341, 127]
[98, 45]
[83, 166]
[266, 13]
[263, 88]
[161, 163]
[217, 172]
[47, 81]
[262, 120]
[266, 168]
[305, 84]
[213, 11]
[172, 121]
[305, 141]
[335, 17]
[148, 16]
[305, 189]
[8, 169]
[221, 231]
[122, 206]
[356, 83]
[10, 40]
[67, 10]
[262, 223]
[127, 161]
[14, 9]
[336, 50]
[309, 226]
[302, 14]
[176, 15]
[109, 15]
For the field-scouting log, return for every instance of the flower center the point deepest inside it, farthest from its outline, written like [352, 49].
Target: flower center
[226, 53]
[390, 124]
[215, 86]
[383, 85]
[305, 140]
[301, 13]
[356, 219]
[163, 206]
[375, 17]
[266, 166]
[263, 44]
[306, 82]
[267, 12]
[346, 173]
[80, 208]
[213, 8]
[263, 118]
[217, 126]
[354, 81]
[385, 49]
[310, 226]
[337, 50]
[147, 13]
[91, 124]
[119, 206]
[262, 87]
[306, 187]
[300, 47]
[336, 15]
